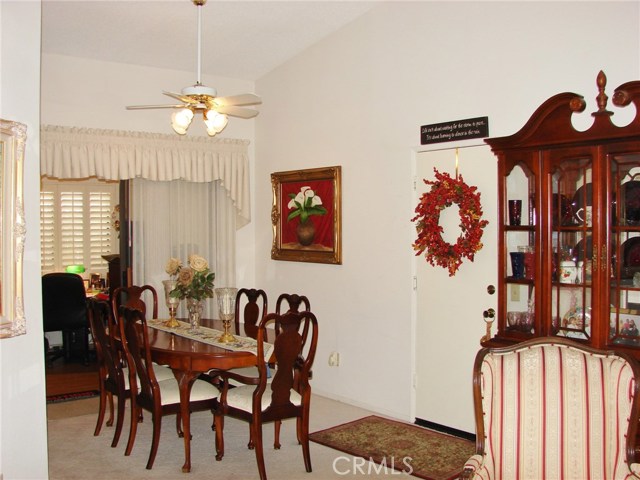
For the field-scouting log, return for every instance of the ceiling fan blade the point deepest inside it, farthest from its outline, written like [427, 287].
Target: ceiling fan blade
[182, 98]
[142, 107]
[237, 111]
[243, 99]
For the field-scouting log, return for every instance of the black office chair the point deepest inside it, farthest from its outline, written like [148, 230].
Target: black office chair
[64, 308]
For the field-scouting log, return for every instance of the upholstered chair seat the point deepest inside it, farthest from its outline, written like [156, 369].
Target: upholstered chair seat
[242, 398]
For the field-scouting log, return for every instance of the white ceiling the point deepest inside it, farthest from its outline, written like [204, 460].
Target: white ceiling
[241, 39]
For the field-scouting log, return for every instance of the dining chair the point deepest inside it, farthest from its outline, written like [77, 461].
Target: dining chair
[251, 306]
[159, 397]
[64, 308]
[113, 375]
[133, 297]
[294, 301]
[287, 396]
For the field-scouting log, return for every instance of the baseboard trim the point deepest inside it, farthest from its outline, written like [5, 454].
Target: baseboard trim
[444, 429]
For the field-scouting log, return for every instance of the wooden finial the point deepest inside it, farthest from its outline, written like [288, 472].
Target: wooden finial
[602, 98]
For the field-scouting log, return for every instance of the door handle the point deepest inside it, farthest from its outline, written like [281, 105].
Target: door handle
[488, 315]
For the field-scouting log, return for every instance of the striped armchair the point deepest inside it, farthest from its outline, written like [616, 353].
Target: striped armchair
[551, 408]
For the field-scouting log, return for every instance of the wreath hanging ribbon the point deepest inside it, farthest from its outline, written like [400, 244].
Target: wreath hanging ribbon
[444, 192]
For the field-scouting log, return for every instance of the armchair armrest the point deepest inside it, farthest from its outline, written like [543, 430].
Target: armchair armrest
[471, 466]
[634, 468]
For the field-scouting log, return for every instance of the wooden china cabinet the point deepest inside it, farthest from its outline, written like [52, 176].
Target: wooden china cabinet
[572, 266]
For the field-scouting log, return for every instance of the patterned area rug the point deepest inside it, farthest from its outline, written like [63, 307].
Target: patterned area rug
[400, 446]
[72, 396]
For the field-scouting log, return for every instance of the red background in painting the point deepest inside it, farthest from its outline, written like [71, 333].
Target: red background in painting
[323, 223]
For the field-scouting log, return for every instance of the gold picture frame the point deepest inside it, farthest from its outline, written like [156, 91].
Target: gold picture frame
[13, 137]
[312, 196]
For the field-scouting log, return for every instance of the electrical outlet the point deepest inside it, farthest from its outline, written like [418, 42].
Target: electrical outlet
[515, 293]
[334, 359]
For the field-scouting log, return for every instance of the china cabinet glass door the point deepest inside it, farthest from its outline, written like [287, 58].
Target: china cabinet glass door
[624, 201]
[572, 241]
[519, 261]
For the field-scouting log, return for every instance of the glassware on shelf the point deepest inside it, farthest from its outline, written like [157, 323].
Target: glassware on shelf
[515, 212]
[171, 302]
[226, 297]
[517, 264]
[529, 262]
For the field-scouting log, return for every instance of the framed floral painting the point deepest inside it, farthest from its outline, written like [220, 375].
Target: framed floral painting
[306, 215]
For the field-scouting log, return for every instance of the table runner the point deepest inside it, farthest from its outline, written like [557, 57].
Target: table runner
[211, 335]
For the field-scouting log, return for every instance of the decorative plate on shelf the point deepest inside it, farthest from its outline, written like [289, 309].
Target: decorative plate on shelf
[630, 257]
[562, 211]
[630, 208]
[575, 322]
[584, 245]
[582, 199]
[631, 195]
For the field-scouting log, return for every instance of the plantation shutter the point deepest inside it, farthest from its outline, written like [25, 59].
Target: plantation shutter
[100, 206]
[47, 231]
[71, 228]
[75, 224]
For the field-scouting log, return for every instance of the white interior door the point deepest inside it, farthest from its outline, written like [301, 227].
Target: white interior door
[449, 320]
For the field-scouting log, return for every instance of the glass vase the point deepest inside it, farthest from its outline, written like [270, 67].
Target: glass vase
[227, 307]
[171, 302]
[194, 306]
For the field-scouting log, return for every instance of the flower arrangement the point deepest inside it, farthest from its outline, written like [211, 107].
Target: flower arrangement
[194, 281]
[444, 192]
[304, 204]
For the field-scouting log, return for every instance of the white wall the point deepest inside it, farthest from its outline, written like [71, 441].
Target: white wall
[357, 99]
[87, 93]
[23, 423]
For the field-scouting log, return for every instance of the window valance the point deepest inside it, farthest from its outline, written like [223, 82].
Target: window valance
[70, 152]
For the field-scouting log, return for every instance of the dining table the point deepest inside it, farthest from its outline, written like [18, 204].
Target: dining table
[189, 356]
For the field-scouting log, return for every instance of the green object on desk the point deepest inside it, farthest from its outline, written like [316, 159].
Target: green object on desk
[75, 269]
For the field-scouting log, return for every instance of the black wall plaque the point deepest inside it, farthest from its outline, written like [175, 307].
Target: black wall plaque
[456, 130]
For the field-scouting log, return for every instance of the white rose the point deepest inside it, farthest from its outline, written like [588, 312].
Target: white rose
[173, 266]
[198, 263]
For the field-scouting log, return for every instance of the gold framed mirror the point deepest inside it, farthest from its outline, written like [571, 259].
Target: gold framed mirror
[13, 137]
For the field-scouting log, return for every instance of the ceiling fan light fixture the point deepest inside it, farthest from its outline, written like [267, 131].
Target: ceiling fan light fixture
[199, 98]
[215, 122]
[181, 119]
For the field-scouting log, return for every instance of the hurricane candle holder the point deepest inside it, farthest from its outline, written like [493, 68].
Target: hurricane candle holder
[171, 302]
[227, 307]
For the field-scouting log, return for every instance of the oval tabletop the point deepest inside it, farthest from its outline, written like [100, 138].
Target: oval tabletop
[187, 354]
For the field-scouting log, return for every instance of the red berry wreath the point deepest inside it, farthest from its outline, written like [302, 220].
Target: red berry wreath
[444, 192]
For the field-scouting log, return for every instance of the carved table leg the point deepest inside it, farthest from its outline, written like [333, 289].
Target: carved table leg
[185, 381]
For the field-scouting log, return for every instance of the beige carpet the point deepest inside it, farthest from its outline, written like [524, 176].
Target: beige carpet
[74, 453]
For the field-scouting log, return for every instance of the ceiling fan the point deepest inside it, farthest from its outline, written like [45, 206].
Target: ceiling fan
[199, 98]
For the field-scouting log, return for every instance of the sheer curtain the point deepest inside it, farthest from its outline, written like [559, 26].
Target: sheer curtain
[176, 219]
